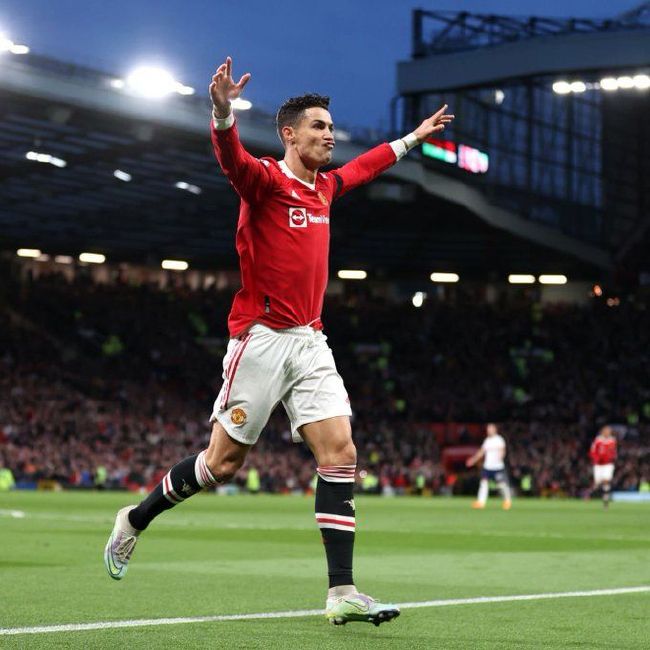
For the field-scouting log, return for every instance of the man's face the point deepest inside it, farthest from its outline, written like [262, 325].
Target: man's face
[491, 430]
[606, 432]
[313, 137]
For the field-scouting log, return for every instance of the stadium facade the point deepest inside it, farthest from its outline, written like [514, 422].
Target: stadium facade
[554, 113]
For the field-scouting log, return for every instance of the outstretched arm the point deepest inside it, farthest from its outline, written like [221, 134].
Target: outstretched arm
[372, 163]
[247, 174]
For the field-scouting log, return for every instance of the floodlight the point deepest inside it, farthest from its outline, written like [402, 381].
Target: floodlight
[241, 104]
[578, 86]
[418, 298]
[522, 278]
[625, 82]
[352, 275]
[175, 265]
[641, 81]
[553, 279]
[154, 83]
[562, 87]
[5, 43]
[444, 277]
[43, 257]
[188, 187]
[63, 259]
[92, 258]
[122, 176]
[184, 90]
[28, 252]
[45, 158]
[609, 83]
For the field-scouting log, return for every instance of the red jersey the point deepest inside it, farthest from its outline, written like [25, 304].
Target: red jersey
[283, 231]
[603, 450]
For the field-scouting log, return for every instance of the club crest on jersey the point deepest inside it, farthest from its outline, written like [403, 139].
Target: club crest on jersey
[323, 198]
[297, 217]
[238, 416]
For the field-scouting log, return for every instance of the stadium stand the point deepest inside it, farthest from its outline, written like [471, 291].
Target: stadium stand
[105, 384]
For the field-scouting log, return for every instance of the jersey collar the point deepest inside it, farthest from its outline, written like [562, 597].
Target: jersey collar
[287, 172]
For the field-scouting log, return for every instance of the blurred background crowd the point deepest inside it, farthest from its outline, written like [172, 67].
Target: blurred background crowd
[108, 385]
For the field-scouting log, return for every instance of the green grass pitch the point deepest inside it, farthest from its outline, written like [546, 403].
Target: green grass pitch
[238, 555]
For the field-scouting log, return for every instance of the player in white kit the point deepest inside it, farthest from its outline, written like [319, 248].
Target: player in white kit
[493, 453]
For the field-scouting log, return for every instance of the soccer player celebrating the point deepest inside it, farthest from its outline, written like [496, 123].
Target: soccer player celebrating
[277, 350]
[493, 451]
[603, 455]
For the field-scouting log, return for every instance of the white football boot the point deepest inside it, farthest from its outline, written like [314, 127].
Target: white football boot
[120, 545]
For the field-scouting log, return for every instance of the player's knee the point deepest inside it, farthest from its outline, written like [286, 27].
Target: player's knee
[345, 453]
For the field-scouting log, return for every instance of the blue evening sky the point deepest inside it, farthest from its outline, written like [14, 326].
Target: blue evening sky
[346, 49]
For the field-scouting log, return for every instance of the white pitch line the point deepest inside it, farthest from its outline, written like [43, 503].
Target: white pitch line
[144, 622]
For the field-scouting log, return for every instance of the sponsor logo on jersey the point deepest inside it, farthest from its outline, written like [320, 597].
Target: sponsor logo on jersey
[318, 218]
[323, 198]
[297, 217]
[238, 416]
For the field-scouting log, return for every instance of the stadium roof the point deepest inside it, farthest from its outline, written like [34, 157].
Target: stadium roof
[463, 50]
[411, 221]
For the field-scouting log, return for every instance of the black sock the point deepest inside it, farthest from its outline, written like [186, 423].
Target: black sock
[335, 518]
[606, 494]
[182, 481]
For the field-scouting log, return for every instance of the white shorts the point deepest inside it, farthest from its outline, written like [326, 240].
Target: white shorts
[263, 367]
[603, 473]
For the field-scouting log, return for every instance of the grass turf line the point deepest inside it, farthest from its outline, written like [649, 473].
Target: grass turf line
[243, 554]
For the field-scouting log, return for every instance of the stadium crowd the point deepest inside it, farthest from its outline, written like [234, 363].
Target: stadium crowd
[107, 385]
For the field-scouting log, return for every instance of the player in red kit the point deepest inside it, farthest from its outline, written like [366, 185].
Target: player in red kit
[603, 455]
[277, 351]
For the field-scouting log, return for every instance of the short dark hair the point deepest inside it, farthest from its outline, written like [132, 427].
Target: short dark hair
[291, 112]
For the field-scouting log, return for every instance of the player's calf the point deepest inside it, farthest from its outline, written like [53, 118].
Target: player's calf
[335, 516]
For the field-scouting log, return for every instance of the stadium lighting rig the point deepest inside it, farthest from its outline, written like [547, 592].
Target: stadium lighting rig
[7, 45]
[350, 274]
[122, 175]
[552, 279]
[175, 265]
[92, 258]
[240, 104]
[521, 278]
[188, 187]
[418, 298]
[444, 277]
[608, 84]
[151, 82]
[28, 252]
[45, 158]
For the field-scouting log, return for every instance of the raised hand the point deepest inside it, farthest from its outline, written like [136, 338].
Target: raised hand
[433, 124]
[223, 88]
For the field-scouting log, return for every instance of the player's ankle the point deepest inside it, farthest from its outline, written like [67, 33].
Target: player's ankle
[341, 591]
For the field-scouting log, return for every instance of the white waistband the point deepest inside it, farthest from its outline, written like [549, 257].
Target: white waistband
[300, 330]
